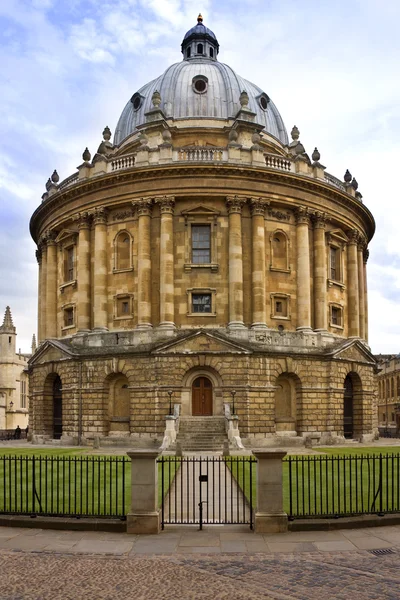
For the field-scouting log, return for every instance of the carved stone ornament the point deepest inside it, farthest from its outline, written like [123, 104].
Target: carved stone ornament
[83, 220]
[320, 219]
[347, 176]
[279, 214]
[303, 215]
[38, 254]
[167, 204]
[295, 133]
[166, 135]
[50, 237]
[366, 255]
[233, 135]
[234, 204]
[55, 178]
[258, 206]
[353, 236]
[106, 133]
[86, 155]
[244, 99]
[156, 99]
[143, 207]
[316, 155]
[122, 215]
[100, 215]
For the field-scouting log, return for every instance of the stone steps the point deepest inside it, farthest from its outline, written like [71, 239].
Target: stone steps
[202, 434]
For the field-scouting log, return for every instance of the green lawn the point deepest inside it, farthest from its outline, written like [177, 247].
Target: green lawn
[69, 482]
[356, 483]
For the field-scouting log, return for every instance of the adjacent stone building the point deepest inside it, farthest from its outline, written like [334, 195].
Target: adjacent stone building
[389, 393]
[14, 403]
[202, 260]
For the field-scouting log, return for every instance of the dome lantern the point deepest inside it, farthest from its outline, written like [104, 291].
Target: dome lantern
[200, 42]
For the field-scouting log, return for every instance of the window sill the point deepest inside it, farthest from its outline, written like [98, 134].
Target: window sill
[280, 270]
[212, 266]
[68, 327]
[71, 283]
[281, 318]
[210, 314]
[122, 270]
[333, 282]
[336, 326]
[124, 318]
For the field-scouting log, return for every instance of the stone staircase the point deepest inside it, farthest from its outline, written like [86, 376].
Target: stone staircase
[201, 434]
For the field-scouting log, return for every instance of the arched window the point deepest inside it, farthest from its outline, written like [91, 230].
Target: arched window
[199, 48]
[123, 251]
[279, 251]
[188, 52]
[211, 52]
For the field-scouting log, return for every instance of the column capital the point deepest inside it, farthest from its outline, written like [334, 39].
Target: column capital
[354, 236]
[302, 215]
[38, 255]
[366, 255]
[362, 242]
[167, 204]
[50, 237]
[83, 220]
[143, 206]
[99, 215]
[234, 204]
[319, 220]
[258, 206]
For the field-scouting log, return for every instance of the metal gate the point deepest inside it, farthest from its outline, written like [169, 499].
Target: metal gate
[207, 490]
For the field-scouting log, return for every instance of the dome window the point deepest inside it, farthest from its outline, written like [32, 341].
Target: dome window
[188, 52]
[211, 52]
[200, 84]
[263, 101]
[137, 100]
[199, 48]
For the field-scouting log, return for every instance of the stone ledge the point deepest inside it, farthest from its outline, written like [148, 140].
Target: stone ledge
[343, 522]
[63, 523]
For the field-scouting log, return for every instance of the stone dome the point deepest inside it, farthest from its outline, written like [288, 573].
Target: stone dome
[200, 87]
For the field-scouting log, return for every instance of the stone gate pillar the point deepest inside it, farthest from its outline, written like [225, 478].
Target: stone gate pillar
[270, 516]
[144, 515]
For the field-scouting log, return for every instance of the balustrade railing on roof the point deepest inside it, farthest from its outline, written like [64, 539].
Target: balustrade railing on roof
[124, 162]
[69, 181]
[335, 182]
[274, 161]
[200, 153]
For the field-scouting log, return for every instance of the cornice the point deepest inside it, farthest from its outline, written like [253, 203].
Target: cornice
[189, 171]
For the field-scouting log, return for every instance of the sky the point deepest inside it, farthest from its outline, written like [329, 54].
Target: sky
[68, 68]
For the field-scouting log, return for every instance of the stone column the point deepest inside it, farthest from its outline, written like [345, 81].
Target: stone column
[303, 270]
[51, 287]
[42, 288]
[167, 308]
[234, 206]
[365, 260]
[144, 515]
[320, 275]
[361, 287]
[83, 273]
[259, 317]
[270, 516]
[144, 208]
[353, 307]
[100, 317]
[40, 277]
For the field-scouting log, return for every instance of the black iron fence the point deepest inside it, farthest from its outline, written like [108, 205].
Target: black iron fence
[389, 432]
[12, 434]
[207, 490]
[338, 486]
[65, 486]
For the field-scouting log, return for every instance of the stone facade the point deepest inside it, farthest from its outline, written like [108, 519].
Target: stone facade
[14, 392]
[389, 393]
[203, 247]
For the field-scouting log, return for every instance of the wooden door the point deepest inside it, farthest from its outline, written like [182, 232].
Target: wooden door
[202, 397]
[348, 409]
[57, 409]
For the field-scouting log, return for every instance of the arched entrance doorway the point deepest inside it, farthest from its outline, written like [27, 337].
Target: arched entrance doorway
[202, 397]
[286, 404]
[348, 409]
[57, 408]
[119, 405]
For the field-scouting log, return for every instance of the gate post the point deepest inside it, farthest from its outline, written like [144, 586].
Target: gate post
[270, 517]
[144, 515]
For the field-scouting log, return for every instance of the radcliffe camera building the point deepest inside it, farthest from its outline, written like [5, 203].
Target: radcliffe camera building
[202, 259]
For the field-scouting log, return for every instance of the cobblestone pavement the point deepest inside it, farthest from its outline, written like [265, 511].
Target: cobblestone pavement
[186, 564]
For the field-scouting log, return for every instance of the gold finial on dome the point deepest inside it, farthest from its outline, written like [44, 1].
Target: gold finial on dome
[200, 18]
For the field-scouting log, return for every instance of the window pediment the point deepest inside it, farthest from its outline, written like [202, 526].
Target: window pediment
[66, 237]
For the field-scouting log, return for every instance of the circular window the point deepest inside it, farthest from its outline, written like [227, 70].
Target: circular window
[136, 101]
[263, 103]
[200, 85]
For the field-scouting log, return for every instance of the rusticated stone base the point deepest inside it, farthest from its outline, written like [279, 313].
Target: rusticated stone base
[144, 523]
[271, 523]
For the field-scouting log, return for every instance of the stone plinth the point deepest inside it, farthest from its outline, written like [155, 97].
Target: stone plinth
[144, 515]
[270, 516]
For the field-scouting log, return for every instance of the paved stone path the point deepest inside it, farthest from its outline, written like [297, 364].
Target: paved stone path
[220, 562]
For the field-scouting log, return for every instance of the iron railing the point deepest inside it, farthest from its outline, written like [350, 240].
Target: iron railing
[65, 486]
[10, 434]
[206, 490]
[338, 486]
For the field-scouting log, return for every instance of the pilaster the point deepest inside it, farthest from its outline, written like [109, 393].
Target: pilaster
[100, 319]
[144, 209]
[167, 308]
[353, 296]
[83, 273]
[51, 286]
[234, 206]
[259, 317]
[320, 275]
[303, 269]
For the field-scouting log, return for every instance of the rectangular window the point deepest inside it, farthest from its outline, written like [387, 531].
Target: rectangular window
[334, 264]
[201, 303]
[278, 307]
[336, 316]
[201, 244]
[68, 317]
[69, 264]
[124, 307]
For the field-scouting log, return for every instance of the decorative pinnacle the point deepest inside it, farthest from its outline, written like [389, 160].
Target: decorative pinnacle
[200, 18]
[8, 325]
[106, 133]
[48, 184]
[316, 155]
[156, 99]
[244, 99]
[347, 176]
[33, 345]
[86, 155]
[55, 177]
[295, 133]
[354, 184]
